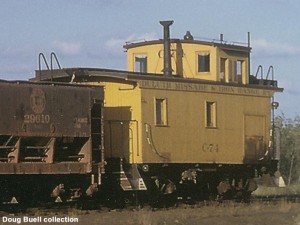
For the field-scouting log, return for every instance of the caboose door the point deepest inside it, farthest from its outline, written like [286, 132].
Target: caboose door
[255, 138]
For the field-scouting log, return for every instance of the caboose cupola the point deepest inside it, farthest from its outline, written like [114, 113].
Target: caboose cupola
[191, 57]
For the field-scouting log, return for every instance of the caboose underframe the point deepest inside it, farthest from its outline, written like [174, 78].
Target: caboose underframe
[188, 181]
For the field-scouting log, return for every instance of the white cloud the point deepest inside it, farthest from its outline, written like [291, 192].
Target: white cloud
[262, 47]
[67, 48]
[115, 45]
[143, 37]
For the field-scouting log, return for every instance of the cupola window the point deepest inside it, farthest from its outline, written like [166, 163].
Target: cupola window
[203, 62]
[140, 63]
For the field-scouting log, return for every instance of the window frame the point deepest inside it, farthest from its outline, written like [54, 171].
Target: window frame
[142, 63]
[239, 73]
[203, 62]
[210, 114]
[162, 119]
[223, 69]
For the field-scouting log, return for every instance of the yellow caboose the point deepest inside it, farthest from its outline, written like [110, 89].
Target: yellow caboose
[186, 113]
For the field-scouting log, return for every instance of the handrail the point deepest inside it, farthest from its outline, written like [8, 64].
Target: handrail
[52, 55]
[51, 63]
[40, 66]
[271, 69]
[51, 60]
[261, 71]
[45, 61]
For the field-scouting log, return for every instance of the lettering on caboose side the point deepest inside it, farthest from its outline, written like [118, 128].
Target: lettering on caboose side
[196, 87]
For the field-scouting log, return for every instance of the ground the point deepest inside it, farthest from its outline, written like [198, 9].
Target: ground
[212, 213]
[257, 212]
[225, 214]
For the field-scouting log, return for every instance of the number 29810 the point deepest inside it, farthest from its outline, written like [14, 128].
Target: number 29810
[39, 118]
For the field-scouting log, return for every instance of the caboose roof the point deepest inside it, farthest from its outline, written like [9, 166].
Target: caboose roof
[236, 46]
[98, 74]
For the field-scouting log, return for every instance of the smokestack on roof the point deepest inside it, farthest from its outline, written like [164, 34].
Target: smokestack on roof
[167, 47]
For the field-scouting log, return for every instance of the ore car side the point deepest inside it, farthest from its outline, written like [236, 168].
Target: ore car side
[51, 140]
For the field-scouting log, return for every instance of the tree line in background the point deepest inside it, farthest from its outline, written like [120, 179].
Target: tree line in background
[288, 142]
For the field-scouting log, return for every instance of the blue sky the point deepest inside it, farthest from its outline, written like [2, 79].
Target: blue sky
[91, 33]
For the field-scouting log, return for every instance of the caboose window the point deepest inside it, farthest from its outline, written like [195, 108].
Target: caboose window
[140, 63]
[222, 75]
[239, 70]
[211, 114]
[203, 62]
[236, 71]
[161, 111]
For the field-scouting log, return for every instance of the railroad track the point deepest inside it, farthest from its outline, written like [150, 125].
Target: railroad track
[64, 208]
[277, 198]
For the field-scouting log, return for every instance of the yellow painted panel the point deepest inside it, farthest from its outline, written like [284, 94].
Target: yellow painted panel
[184, 60]
[122, 116]
[186, 138]
[255, 143]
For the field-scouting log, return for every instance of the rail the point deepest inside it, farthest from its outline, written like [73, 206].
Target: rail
[35, 158]
[52, 58]
[200, 39]
[7, 147]
[271, 69]
[259, 69]
[42, 56]
[268, 80]
[53, 55]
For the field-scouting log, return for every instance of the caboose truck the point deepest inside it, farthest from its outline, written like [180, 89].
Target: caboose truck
[186, 118]
[49, 147]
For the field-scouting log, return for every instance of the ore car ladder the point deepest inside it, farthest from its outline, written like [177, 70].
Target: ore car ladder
[96, 130]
